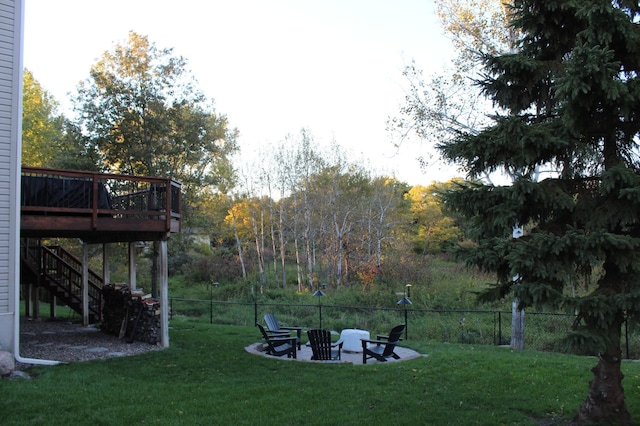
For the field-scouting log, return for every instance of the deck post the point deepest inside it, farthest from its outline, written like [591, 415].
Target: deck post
[132, 266]
[53, 306]
[155, 269]
[106, 252]
[85, 284]
[31, 301]
[27, 300]
[164, 293]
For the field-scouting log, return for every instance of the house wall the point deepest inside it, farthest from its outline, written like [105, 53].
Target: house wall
[11, 30]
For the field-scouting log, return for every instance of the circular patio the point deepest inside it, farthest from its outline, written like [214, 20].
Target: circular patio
[347, 357]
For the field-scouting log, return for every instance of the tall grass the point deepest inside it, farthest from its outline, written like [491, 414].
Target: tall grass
[544, 331]
[206, 378]
[441, 298]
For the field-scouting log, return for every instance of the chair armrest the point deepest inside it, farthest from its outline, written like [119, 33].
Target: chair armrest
[339, 343]
[292, 340]
[284, 336]
[298, 330]
[383, 336]
[279, 333]
[378, 342]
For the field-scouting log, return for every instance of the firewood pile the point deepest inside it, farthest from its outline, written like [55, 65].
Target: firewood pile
[130, 315]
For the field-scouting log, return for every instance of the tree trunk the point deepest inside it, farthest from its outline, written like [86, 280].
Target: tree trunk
[282, 249]
[260, 259]
[605, 403]
[307, 249]
[298, 265]
[274, 251]
[259, 237]
[238, 245]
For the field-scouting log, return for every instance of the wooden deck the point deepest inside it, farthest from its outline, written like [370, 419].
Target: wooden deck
[97, 207]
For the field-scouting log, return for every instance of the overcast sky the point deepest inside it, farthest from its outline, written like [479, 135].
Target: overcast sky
[273, 67]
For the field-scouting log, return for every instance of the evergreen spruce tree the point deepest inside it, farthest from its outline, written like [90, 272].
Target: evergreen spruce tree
[569, 139]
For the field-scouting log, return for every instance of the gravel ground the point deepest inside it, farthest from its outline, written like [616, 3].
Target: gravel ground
[66, 341]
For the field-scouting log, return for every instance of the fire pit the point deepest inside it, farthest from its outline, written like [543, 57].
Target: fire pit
[352, 339]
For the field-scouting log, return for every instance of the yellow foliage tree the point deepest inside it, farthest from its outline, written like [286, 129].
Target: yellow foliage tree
[41, 125]
[435, 230]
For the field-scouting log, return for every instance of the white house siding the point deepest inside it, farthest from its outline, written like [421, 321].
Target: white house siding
[11, 24]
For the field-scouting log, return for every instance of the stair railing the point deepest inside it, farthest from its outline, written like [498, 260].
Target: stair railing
[61, 267]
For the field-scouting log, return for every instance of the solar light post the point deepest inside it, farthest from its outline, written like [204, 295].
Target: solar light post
[404, 302]
[319, 293]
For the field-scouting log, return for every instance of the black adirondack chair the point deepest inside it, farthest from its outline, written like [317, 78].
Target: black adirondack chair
[279, 345]
[322, 347]
[383, 347]
[275, 328]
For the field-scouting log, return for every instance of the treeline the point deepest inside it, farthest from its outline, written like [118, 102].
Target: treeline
[299, 217]
[306, 217]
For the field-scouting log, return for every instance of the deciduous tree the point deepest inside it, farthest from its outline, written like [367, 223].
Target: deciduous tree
[141, 110]
[41, 124]
[439, 106]
[435, 231]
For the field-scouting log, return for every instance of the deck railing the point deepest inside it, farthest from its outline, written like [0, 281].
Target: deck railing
[66, 192]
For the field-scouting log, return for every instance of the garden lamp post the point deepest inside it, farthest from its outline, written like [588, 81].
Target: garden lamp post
[404, 302]
[319, 293]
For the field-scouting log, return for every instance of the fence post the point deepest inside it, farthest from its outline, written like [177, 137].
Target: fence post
[255, 312]
[499, 328]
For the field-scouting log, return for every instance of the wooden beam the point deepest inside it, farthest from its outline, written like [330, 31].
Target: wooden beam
[132, 266]
[164, 294]
[106, 263]
[85, 284]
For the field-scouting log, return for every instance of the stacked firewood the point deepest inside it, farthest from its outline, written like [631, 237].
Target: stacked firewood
[132, 315]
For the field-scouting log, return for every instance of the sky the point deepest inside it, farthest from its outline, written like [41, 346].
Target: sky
[273, 67]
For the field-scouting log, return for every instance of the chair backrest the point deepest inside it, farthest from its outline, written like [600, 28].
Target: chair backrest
[394, 338]
[272, 322]
[263, 331]
[320, 341]
[281, 349]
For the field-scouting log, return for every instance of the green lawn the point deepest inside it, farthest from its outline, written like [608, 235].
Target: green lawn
[207, 378]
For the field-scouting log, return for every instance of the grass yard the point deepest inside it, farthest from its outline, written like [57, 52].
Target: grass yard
[206, 378]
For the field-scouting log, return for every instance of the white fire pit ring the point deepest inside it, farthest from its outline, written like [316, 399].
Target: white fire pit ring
[352, 339]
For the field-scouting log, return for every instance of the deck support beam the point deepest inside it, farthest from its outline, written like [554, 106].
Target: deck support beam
[106, 263]
[132, 266]
[85, 284]
[163, 266]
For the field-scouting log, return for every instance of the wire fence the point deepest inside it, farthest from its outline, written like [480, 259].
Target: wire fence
[543, 331]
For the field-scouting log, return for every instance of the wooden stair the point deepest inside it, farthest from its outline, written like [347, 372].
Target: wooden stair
[58, 271]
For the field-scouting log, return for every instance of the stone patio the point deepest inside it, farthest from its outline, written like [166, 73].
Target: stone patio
[347, 357]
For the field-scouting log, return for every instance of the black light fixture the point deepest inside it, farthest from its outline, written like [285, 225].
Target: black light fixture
[404, 302]
[319, 293]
